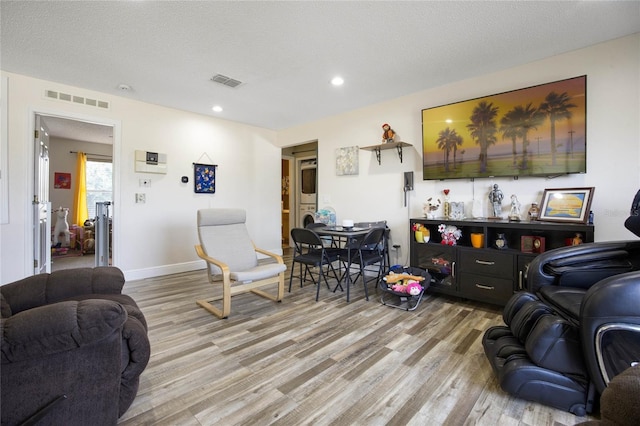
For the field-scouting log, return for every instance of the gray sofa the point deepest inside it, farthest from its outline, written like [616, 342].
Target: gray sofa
[73, 348]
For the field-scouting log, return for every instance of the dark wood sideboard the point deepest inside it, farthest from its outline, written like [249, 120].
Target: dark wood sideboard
[488, 274]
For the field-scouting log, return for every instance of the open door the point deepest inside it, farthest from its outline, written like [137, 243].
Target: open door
[58, 138]
[41, 204]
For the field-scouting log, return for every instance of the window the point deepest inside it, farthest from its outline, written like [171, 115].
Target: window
[99, 184]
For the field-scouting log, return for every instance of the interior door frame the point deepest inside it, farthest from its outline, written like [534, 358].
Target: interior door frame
[293, 212]
[41, 204]
[29, 182]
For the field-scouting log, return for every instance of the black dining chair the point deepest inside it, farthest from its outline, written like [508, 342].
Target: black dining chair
[330, 244]
[369, 251]
[310, 252]
[328, 241]
[385, 241]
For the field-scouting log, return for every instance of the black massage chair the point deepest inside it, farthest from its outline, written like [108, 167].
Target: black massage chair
[575, 328]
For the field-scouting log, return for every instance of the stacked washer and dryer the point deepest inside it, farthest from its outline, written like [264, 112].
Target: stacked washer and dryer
[307, 184]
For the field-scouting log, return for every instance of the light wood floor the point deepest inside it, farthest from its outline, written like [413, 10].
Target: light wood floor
[327, 362]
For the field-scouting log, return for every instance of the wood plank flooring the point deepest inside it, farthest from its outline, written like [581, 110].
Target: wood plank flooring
[323, 363]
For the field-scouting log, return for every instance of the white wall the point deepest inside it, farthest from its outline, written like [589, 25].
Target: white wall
[613, 139]
[157, 237]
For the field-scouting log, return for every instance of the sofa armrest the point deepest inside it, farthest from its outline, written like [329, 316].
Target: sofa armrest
[58, 327]
[43, 289]
[136, 351]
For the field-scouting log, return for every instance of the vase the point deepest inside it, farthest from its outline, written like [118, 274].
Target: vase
[446, 209]
[419, 236]
[477, 240]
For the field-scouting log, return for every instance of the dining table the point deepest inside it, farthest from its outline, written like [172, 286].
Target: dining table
[343, 236]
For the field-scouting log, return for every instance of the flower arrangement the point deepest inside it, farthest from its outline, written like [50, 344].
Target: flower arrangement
[449, 233]
[418, 227]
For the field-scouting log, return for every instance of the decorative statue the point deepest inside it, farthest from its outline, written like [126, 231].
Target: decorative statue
[61, 234]
[388, 134]
[514, 214]
[431, 206]
[496, 196]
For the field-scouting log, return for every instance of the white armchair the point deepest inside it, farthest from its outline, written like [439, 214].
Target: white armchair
[232, 259]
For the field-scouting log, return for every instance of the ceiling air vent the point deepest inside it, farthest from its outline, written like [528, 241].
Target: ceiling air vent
[66, 97]
[223, 79]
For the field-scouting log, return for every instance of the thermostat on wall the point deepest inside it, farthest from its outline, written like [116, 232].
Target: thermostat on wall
[150, 162]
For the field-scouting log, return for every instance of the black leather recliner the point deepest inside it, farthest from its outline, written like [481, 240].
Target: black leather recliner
[575, 328]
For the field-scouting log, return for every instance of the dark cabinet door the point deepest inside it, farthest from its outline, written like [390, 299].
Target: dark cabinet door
[440, 261]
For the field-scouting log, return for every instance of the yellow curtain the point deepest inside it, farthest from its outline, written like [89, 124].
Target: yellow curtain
[80, 210]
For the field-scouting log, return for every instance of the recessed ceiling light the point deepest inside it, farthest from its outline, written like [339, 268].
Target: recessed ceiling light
[337, 81]
[217, 108]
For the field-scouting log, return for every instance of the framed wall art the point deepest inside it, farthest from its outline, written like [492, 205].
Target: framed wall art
[347, 161]
[62, 180]
[204, 181]
[566, 205]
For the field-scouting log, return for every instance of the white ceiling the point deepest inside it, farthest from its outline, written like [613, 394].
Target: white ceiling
[285, 53]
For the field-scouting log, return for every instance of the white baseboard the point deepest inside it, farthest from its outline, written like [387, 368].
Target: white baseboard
[157, 271]
[176, 268]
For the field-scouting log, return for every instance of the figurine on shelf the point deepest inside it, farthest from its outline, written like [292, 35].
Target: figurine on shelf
[514, 214]
[388, 134]
[496, 196]
[577, 240]
[431, 206]
[534, 211]
[501, 242]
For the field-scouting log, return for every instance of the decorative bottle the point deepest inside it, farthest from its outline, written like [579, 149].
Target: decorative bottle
[446, 206]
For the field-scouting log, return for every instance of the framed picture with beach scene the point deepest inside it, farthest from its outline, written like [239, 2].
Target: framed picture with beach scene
[569, 205]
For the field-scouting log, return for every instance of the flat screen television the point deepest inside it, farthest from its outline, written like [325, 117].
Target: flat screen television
[535, 131]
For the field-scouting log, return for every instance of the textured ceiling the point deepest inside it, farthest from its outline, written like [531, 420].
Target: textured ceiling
[285, 53]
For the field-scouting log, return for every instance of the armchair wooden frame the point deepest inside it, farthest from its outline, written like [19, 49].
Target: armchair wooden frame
[231, 287]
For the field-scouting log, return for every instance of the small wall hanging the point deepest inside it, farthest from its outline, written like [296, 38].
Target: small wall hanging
[62, 180]
[204, 178]
[347, 161]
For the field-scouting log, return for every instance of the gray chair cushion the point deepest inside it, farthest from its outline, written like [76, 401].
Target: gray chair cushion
[224, 236]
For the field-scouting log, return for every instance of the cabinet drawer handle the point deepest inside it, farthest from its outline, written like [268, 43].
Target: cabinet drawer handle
[485, 287]
[485, 262]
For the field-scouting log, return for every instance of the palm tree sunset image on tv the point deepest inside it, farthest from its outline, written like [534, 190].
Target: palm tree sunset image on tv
[536, 131]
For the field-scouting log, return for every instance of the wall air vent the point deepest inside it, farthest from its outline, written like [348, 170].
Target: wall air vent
[227, 81]
[66, 97]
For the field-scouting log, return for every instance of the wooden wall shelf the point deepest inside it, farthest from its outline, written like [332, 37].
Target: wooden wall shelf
[379, 148]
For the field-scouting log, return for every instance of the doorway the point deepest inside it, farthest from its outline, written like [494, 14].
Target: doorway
[74, 246]
[291, 169]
